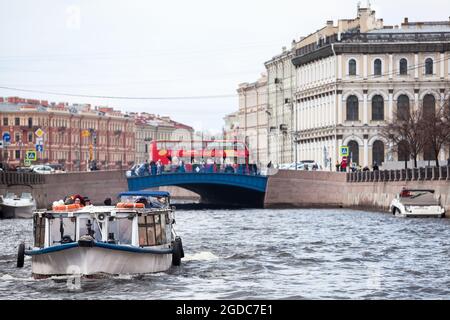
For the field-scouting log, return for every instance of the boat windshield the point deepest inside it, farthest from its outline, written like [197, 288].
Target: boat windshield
[120, 230]
[62, 228]
[148, 201]
[26, 195]
[10, 195]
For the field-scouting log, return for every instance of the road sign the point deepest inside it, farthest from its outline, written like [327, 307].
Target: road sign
[31, 155]
[40, 141]
[39, 133]
[344, 151]
[39, 148]
[6, 137]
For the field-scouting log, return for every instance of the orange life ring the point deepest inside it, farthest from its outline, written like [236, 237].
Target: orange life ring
[123, 205]
[66, 207]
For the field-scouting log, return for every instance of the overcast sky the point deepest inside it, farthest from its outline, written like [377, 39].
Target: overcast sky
[146, 48]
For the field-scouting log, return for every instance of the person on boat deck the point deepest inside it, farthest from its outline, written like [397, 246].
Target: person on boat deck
[108, 202]
[143, 201]
[87, 201]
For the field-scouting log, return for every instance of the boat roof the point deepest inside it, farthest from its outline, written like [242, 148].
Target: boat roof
[145, 194]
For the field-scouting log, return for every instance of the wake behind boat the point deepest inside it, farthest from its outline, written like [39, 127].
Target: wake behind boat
[13, 206]
[134, 237]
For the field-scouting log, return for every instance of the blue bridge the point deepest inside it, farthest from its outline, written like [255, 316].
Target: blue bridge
[214, 188]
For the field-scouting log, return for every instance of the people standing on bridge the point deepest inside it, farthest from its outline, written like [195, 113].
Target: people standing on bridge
[375, 167]
[338, 166]
[153, 168]
[159, 167]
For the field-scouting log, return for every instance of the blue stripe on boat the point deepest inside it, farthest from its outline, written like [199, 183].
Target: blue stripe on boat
[102, 245]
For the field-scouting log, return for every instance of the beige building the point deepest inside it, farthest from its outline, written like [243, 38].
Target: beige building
[353, 77]
[231, 127]
[253, 124]
[281, 87]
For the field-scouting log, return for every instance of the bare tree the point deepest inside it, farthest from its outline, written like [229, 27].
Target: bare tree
[437, 130]
[406, 133]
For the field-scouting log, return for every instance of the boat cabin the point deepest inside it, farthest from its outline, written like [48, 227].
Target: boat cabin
[142, 219]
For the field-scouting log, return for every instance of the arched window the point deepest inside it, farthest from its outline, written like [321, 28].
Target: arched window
[403, 107]
[352, 67]
[429, 66]
[429, 106]
[354, 151]
[352, 108]
[378, 153]
[377, 108]
[403, 151]
[377, 67]
[403, 67]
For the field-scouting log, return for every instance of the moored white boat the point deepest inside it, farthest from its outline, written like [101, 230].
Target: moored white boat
[13, 206]
[134, 237]
[417, 203]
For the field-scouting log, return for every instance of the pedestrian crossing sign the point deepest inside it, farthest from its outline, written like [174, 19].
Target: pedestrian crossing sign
[344, 151]
[31, 155]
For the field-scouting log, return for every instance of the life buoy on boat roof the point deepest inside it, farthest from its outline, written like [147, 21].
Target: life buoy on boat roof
[123, 205]
[66, 207]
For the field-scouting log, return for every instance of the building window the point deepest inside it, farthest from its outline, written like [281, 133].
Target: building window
[403, 110]
[17, 121]
[377, 67]
[17, 154]
[403, 151]
[17, 137]
[377, 108]
[352, 108]
[428, 152]
[30, 137]
[429, 66]
[403, 67]
[354, 151]
[352, 67]
[378, 153]
[429, 106]
[5, 121]
[30, 123]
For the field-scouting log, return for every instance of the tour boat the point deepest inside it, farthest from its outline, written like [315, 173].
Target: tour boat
[13, 206]
[417, 203]
[136, 236]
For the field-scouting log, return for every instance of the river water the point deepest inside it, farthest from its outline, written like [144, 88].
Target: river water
[268, 254]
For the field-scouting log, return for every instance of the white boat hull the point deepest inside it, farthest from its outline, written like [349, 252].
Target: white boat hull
[97, 261]
[17, 211]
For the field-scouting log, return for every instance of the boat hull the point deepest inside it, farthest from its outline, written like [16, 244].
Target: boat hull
[85, 261]
[17, 212]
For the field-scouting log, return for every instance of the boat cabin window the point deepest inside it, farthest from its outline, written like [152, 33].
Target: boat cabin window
[62, 230]
[152, 230]
[39, 232]
[120, 230]
[90, 225]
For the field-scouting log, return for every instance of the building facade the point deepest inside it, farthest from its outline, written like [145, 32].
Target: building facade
[253, 125]
[74, 135]
[281, 87]
[355, 77]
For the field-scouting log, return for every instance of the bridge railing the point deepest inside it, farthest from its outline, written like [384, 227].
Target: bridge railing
[20, 178]
[416, 174]
[197, 168]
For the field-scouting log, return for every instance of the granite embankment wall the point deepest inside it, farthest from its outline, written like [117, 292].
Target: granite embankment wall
[97, 185]
[299, 189]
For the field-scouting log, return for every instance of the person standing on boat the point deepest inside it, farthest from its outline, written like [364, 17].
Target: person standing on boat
[158, 167]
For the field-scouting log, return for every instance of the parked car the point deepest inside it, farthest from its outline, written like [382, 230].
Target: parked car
[58, 168]
[24, 169]
[43, 169]
[305, 166]
[417, 203]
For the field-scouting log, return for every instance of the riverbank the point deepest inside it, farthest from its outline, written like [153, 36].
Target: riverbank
[300, 189]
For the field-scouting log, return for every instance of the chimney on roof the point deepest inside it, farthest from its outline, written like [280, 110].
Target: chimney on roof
[330, 23]
[406, 21]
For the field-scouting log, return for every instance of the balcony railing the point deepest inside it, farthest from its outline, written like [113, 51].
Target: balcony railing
[396, 37]
[417, 174]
